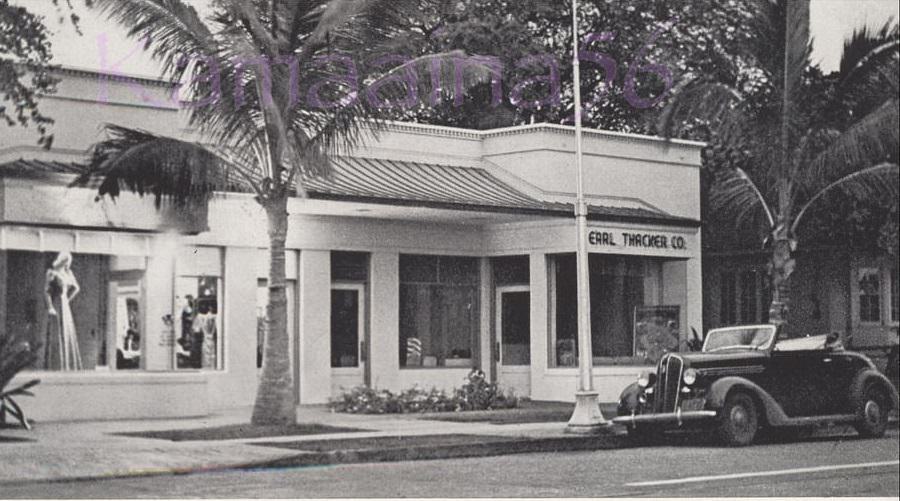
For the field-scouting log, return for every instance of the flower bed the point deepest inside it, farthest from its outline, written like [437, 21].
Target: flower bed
[475, 394]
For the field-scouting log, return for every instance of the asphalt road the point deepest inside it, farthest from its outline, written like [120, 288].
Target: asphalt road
[832, 466]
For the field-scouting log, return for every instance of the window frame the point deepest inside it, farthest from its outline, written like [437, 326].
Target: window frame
[474, 340]
[221, 365]
[875, 271]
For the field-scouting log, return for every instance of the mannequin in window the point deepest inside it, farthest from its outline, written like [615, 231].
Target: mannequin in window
[61, 288]
[206, 324]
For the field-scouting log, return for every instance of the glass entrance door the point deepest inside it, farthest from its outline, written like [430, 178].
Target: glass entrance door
[347, 335]
[514, 338]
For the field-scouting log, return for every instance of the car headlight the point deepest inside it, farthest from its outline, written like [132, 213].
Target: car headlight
[646, 379]
[689, 376]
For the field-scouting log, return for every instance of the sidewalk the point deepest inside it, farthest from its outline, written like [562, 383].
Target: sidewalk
[83, 450]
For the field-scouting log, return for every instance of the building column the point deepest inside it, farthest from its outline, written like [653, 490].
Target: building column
[694, 293]
[159, 283]
[315, 326]
[384, 354]
[486, 319]
[540, 319]
[236, 385]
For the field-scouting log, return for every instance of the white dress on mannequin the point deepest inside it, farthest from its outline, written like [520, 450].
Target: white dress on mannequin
[61, 287]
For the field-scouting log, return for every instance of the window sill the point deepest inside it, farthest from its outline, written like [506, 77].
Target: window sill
[113, 377]
[467, 368]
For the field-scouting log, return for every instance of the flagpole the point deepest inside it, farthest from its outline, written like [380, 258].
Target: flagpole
[586, 417]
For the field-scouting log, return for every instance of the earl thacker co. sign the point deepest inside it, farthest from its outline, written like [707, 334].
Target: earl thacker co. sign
[636, 240]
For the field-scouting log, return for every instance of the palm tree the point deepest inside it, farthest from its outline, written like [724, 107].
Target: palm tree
[264, 77]
[790, 146]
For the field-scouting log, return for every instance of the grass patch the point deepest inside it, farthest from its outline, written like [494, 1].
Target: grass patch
[527, 412]
[239, 431]
[382, 443]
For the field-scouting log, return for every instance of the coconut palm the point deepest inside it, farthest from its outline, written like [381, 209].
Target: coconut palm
[790, 145]
[273, 92]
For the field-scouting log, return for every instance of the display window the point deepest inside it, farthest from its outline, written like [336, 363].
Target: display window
[439, 311]
[636, 307]
[199, 323]
[83, 311]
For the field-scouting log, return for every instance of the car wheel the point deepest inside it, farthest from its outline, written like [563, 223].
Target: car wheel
[873, 412]
[645, 435]
[739, 422]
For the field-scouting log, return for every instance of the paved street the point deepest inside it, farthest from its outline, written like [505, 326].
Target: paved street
[832, 466]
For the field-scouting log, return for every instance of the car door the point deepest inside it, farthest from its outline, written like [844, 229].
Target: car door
[795, 379]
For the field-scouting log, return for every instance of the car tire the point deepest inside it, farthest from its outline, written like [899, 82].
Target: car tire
[739, 422]
[874, 408]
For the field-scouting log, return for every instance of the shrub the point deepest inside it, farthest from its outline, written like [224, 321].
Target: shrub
[475, 394]
[15, 355]
[479, 394]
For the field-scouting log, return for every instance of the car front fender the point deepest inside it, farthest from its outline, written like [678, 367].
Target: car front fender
[866, 377]
[719, 390]
[628, 400]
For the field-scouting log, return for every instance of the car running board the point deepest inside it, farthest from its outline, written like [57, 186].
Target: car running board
[817, 420]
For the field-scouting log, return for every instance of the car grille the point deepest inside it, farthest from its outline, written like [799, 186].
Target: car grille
[668, 383]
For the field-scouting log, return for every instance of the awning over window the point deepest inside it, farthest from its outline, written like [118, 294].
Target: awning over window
[413, 184]
[393, 181]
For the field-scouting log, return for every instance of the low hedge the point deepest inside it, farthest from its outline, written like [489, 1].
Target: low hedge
[475, 394]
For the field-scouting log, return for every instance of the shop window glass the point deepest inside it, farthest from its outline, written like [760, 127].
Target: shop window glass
[869, 283]
[617, 291]
[349, 266]
[199, 323]
[346, 326]
[511, 270]
[126, 321]
[84, 311]
[439, 311]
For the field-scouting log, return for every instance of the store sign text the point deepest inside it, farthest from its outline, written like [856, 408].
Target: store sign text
[636, 240]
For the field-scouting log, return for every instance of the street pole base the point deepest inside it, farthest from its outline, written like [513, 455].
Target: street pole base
[587, 418]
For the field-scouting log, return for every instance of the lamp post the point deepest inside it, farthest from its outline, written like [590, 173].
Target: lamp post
[587, 417]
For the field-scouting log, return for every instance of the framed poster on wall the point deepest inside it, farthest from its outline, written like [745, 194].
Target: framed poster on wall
[656, 331]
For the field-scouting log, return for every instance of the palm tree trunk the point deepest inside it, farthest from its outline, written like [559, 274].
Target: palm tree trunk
[781, 266]
[275, 398]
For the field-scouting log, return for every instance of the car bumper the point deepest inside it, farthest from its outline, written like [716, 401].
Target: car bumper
[676, 417]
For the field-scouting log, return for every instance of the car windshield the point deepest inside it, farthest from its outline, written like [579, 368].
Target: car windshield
[739, 338]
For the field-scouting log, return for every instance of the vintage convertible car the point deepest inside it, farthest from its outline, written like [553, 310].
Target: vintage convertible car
[746, 378]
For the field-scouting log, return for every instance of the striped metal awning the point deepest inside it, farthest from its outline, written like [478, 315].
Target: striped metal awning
[393, 181]
[413, 184]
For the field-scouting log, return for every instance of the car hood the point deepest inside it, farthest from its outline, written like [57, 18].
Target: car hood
[724, 359]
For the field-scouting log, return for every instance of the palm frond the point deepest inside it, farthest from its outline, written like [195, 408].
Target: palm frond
[873, 139]
[866, 49]
[697, 100]
[735, 194]
[363, 115]
[879, 182]
[147, 164]
[797, 50]
[171, 28]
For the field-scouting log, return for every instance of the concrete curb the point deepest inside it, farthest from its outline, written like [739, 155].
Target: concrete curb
[419, 453]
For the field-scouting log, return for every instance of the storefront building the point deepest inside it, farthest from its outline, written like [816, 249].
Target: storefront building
[428, 252]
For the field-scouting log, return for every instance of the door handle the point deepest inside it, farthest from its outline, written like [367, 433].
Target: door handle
[826, 360]
[362, 351]
[497, 351]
